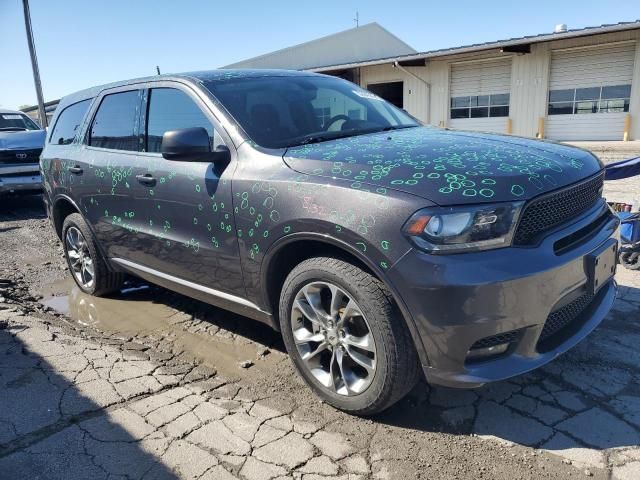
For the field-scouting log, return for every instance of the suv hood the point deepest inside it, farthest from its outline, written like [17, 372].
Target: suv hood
[22, 140]
[447, 167]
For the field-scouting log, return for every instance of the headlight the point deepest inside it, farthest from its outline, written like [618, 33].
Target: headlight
[466, 228]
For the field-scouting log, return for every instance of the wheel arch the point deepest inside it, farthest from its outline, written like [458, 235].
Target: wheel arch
[63, 206]
[289, 251]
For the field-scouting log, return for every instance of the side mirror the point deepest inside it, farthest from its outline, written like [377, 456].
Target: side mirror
[191, 145]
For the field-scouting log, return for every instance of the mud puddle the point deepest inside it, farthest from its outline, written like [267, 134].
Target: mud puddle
[137, 311]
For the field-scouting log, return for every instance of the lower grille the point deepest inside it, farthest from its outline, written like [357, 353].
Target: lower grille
[494, 340]
[562, 318]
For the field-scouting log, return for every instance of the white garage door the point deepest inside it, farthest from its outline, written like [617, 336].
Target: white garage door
[589, 91]
[480, 95]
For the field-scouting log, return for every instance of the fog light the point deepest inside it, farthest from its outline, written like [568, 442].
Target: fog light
[481, 353]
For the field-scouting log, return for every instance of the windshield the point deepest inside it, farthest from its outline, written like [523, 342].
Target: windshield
[284, 111]
[16, 121]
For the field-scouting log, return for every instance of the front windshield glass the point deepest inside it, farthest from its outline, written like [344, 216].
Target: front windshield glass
[284, 111]
[16, 121]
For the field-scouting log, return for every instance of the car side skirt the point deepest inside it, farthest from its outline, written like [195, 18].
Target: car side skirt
[214, 297]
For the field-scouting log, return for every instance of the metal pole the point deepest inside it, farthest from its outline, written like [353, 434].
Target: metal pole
[34, 64]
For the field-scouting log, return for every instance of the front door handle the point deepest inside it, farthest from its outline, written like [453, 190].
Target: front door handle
[146, 179]
[77, 169]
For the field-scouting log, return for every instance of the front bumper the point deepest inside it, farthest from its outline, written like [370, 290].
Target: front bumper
[20, 178]
[458, 300]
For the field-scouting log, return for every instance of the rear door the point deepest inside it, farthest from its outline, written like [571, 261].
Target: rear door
[184, 210]
[110, 154]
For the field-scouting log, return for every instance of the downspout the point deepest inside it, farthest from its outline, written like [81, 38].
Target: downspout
[400, 67]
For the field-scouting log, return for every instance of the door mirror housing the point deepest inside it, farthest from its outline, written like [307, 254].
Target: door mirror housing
[192, 145]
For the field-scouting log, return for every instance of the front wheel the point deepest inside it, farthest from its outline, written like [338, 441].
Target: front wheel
[346, 336]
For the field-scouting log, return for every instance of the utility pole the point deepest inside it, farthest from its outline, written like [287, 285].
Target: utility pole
[34, 64]
[357, 19]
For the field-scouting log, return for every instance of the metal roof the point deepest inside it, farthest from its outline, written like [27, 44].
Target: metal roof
[539, 38]
[352, 45]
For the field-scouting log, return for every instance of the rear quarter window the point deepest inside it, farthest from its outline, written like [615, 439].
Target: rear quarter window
[69, 123]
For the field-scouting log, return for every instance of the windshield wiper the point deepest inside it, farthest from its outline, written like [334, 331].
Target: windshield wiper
[12, 129]
[397, 127]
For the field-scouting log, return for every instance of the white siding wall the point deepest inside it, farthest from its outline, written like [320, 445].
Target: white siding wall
[529, 78]
[530, 75]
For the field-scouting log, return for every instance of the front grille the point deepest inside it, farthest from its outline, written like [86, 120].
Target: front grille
[494, 340]
[551, 210]
[562, 318]
[20, 156]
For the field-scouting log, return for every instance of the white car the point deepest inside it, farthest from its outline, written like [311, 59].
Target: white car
[21, 142]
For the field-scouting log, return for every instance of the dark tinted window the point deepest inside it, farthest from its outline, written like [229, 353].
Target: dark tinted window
[69, 123]
[616, 91]
[477, 106]
[609, 99]
[172, 109]
[592, 93]
[459, 113]
[115, 123]
[561, 95]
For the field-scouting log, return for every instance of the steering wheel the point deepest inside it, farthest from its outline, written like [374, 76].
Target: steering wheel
[334, 119]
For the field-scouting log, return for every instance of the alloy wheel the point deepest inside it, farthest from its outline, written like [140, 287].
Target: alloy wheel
[333, 338]
[79, 256]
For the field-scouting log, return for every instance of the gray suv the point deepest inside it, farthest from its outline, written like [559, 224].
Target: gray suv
[21, 142]
[381, 249]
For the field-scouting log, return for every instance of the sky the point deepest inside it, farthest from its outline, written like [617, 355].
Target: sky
[82, 43]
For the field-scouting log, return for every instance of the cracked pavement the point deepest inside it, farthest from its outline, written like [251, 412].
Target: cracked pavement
[147, 385]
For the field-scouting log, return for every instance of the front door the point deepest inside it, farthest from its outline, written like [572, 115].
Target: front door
[185, 217]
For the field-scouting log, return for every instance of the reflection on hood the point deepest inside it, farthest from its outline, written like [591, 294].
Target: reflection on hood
[447, 167]
[22, 140]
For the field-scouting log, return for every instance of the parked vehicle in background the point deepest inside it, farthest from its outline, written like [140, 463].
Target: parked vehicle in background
[378, 247]
[21, 142]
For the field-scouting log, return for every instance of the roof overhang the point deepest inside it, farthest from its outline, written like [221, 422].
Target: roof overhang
[516, 45]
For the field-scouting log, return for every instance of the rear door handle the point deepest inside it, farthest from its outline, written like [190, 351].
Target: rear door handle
[146, 179]
[75, 169]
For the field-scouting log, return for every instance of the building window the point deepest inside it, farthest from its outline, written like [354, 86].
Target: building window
[323, 114]
[355, 114]
[610, 99]
[480, 106]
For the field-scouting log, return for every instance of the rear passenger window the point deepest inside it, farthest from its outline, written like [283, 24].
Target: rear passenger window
[115, 123]
[172, 109]
[69, 121]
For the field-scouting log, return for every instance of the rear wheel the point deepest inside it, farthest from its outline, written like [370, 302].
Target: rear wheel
[346, 337]
[88, 268]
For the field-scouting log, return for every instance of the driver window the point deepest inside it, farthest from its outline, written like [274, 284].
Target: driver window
[172, 109]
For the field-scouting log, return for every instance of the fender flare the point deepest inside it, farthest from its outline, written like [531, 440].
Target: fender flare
[282, 242]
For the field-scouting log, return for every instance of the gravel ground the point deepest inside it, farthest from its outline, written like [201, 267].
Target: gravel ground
[148, 384]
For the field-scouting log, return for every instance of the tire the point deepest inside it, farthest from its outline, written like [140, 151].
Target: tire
[630, 260]
[104, 280]
[395, 362]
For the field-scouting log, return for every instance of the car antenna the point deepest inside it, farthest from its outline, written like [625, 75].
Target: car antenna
[158, 69]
